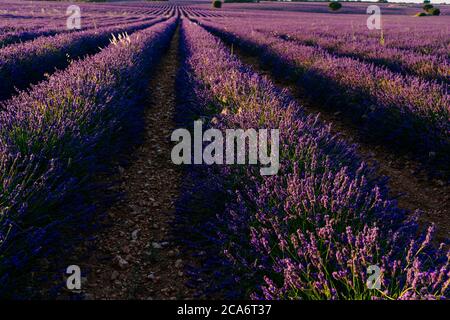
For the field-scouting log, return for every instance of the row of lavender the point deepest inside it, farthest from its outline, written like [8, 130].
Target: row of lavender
[25, 24]
[402, 110]
[56, 138]
[26, 63]
[12, 9]
[27, 20]
[418, 39]
[429, 66]
[401, 30]
[15, 36]
[315, 229]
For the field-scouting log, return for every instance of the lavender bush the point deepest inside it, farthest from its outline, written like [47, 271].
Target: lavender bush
[430, 67]
[401, 110]
[57, 137]
[28, 33]
[311, 231]
[22, 64]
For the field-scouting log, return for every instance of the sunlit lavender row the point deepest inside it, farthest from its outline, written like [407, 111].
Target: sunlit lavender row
[398, 108]
[57, 137]
[311, 231]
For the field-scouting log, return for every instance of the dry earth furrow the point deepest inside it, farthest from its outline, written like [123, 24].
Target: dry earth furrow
[136, 257]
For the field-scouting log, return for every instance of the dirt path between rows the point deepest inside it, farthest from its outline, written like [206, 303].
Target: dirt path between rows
[136, 257]
[410, 185]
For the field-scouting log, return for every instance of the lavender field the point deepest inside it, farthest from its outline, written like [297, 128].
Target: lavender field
[197, 150]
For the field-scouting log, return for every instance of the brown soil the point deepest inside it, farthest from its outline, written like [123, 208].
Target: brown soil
[136, 256]
[407, 182]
